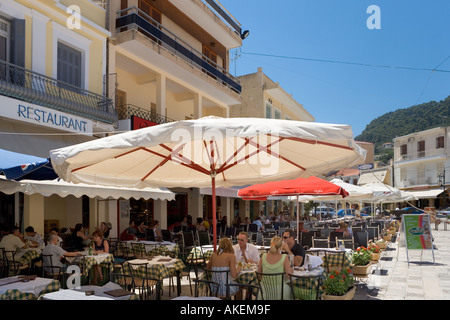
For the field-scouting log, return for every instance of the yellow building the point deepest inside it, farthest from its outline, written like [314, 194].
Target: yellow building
[52, 70]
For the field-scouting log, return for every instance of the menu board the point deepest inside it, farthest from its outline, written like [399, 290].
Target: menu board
[417, 231]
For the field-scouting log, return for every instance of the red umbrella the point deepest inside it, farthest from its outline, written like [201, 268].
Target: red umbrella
[296, 187]
[300, 186]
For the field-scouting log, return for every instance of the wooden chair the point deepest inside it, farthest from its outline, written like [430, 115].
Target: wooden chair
[321, 242]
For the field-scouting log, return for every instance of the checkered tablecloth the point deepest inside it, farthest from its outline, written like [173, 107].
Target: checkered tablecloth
[155, 270]
[17, 294]
[86, 264]
[335, 260]
[30, 255]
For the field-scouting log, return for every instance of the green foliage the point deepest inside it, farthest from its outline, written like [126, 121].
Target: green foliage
[337, 283]
[361, 256]
[406, 121]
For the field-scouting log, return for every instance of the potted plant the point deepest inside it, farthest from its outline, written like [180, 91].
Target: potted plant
[375, 251]
[339, 285]
[361, 261]
[382, 244]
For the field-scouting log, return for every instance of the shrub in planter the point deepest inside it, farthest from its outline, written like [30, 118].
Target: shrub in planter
[338, 283]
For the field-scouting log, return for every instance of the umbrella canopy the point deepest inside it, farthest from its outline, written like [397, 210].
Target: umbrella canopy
[64, 189]
[300, 186]
[208, 152]
[18, 166]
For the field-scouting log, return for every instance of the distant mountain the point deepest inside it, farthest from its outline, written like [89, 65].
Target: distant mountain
[405, 121]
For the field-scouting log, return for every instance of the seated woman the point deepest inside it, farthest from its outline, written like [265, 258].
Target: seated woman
[78, 238]
[345, 229]
[224, 259]
[274, 262]
[101, 245]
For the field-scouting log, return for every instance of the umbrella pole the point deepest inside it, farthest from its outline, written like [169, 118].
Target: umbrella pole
[213, 188]
[298, 213]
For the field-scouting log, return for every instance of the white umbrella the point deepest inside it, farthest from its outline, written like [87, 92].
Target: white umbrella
[208, 152]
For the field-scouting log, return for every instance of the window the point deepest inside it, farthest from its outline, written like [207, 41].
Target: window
[421, 149]
[268, 110]
[277, 114]
[69, 65]
[439, 142]
[403, 149]
[4, 40]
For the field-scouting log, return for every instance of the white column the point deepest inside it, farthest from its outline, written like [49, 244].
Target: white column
[225, 205]
[33, 214]
[198, 105]
[161, 94]
[160, 212]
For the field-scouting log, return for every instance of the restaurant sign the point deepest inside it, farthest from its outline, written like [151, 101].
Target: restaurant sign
[35, 114]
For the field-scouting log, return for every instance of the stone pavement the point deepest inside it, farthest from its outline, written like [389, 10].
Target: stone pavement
[392, 278]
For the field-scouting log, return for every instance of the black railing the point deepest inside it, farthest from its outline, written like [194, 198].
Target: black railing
[128, 110]
[20, 83]
[134, 18]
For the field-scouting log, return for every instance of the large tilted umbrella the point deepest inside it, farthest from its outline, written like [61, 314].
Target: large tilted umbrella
[311, 186]
[210, 152]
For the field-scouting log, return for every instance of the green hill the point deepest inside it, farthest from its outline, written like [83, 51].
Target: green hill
[405, 121]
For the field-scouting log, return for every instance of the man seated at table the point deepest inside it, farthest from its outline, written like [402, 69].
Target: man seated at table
[245, 251]
[13, 241]
[33, 237]
[56, 252]
[293, 248]
[259, 223]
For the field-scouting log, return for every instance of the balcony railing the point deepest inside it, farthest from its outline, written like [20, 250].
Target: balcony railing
[135, 19]
[422, 154]
[128, 110]
[20, 83]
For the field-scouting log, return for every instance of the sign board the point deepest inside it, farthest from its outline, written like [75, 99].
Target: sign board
[416, 230]
[365, 166]
[139, 123]
[42, 116]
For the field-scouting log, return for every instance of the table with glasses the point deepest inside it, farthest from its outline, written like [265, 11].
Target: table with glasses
[86, 261]
[26, 287]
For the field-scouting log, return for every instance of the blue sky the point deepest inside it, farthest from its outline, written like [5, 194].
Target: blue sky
[413, 34]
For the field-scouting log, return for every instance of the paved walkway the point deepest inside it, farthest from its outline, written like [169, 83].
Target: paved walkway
[393, 279]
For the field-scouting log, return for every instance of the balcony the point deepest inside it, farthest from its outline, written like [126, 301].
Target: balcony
[135, 19]
[19, 83]
[422, 155]
[128, 110]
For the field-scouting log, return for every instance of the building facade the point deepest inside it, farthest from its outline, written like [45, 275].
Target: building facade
[420, 163]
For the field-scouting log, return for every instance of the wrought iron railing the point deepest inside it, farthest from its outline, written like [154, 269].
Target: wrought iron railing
[20, 83]
[128, 110]
[135, 19]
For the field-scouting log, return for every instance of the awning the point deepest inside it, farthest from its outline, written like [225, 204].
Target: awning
[426, 194]
[222, 191]
[64, 189]
[372, 177]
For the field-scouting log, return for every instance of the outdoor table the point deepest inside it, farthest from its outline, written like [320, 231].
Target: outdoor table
[155, 248]
[99, 293]
[310, 284]
[158, 267]
[25, 256]
[13, 288]
[105, 260]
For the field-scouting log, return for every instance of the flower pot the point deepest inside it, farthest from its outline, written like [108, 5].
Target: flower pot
[375, 256]
[361, 270]
[381, 245]
[348, 296]
[387, 238]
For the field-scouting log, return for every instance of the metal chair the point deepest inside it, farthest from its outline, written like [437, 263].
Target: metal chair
[252, 227]
[205, 288]
[218, 278]
[362, 238]
[3, 264]
[306, 239]
[167, 235]
[349, 242]
[204, 238]
[124, 251]
[247, 291]
[13, 266]
[49, 270]
[271, 285]
[125, 281]
[305, 287]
